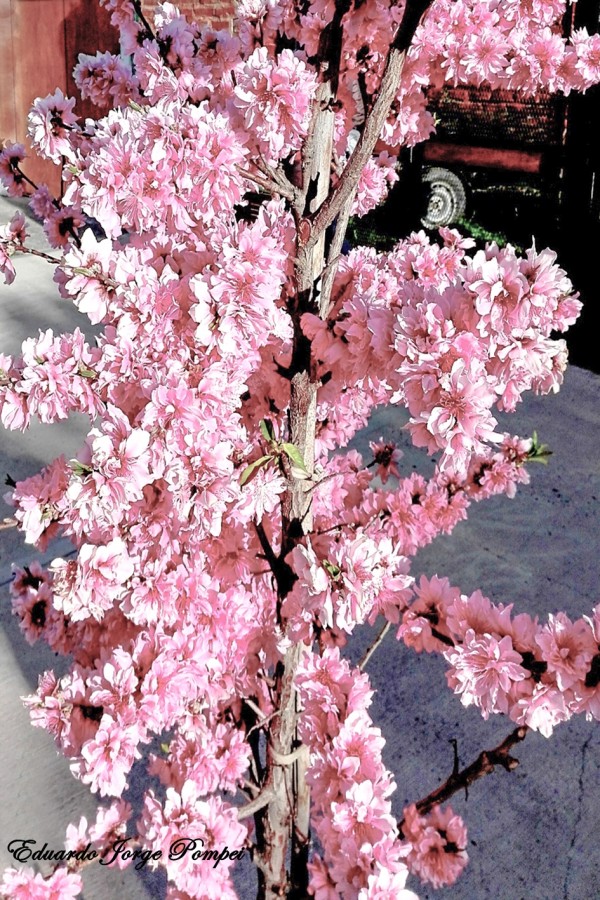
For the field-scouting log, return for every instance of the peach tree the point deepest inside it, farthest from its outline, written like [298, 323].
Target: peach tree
[223, 550]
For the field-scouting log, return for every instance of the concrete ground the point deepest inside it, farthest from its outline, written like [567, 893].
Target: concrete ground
[533, 833]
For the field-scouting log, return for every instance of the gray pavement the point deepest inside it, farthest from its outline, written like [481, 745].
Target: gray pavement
[533, 833]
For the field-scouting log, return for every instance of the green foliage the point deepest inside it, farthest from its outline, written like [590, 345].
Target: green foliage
[479, 233]
[538, 452]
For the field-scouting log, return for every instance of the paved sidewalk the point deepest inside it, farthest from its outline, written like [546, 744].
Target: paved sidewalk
[533, 833]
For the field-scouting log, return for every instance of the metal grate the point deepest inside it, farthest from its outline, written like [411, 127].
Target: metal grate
[483, 116]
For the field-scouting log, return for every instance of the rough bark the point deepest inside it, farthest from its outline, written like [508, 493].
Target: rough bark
[284, 824]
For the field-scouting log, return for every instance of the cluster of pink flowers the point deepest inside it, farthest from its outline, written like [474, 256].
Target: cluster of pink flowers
[363, 853]
[105, 79]
[358, 579]
[462, 335]
[26, 884]
[350, 785]
[274, 101]
[12, 238]
[505, 45]
[537, 674]
[51, 378]
[167, 605]
[437, 845]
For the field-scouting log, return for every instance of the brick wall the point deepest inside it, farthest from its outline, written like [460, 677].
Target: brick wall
[217, 13]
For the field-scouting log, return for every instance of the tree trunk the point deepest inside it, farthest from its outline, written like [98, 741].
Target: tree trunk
[283, 826]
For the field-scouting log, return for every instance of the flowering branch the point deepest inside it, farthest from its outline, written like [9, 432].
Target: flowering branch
[143, 20]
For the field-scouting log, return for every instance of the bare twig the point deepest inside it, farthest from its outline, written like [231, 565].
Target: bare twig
[483, 765]
[333, 257]
[268, 184]
[263, 722]
[254, 707]
[371, 650]
[21, 248]
[8, 523]
[277, 176]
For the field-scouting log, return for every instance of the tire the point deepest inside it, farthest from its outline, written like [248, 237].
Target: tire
[446, 198]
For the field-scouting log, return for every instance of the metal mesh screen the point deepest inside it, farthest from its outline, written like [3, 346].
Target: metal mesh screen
[484, 116]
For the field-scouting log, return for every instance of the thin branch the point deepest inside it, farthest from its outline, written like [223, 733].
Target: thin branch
[388, 88]
[282, 571]
[250, 789]
[253, 706]
[333, 256]
[443, 638]
[264, 721]
[21, 248]
[371, 650]
[277, 176]
[251, 808]
[8, 523]
[286, 759]
[140, 14]
[269, 185]
[483, 765]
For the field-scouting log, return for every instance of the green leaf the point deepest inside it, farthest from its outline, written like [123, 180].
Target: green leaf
[295, 457]
[86, 373]
[267, 431]
[79, 468]
[538, 452]
[251, 469]
[332, 570]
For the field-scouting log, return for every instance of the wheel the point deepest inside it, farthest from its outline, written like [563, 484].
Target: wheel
[446, 198]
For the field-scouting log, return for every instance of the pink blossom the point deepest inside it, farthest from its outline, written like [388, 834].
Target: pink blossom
[11, 175]
[108, 757]
[273, 97]
[386, 885]
[386, 457]
[437, 845]
[51, 122]
[567, 648]
[25, 884]
[105, 79]
[542, 710]
[435, 597]
[377, 178]
[12, 237]
[484, 671]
